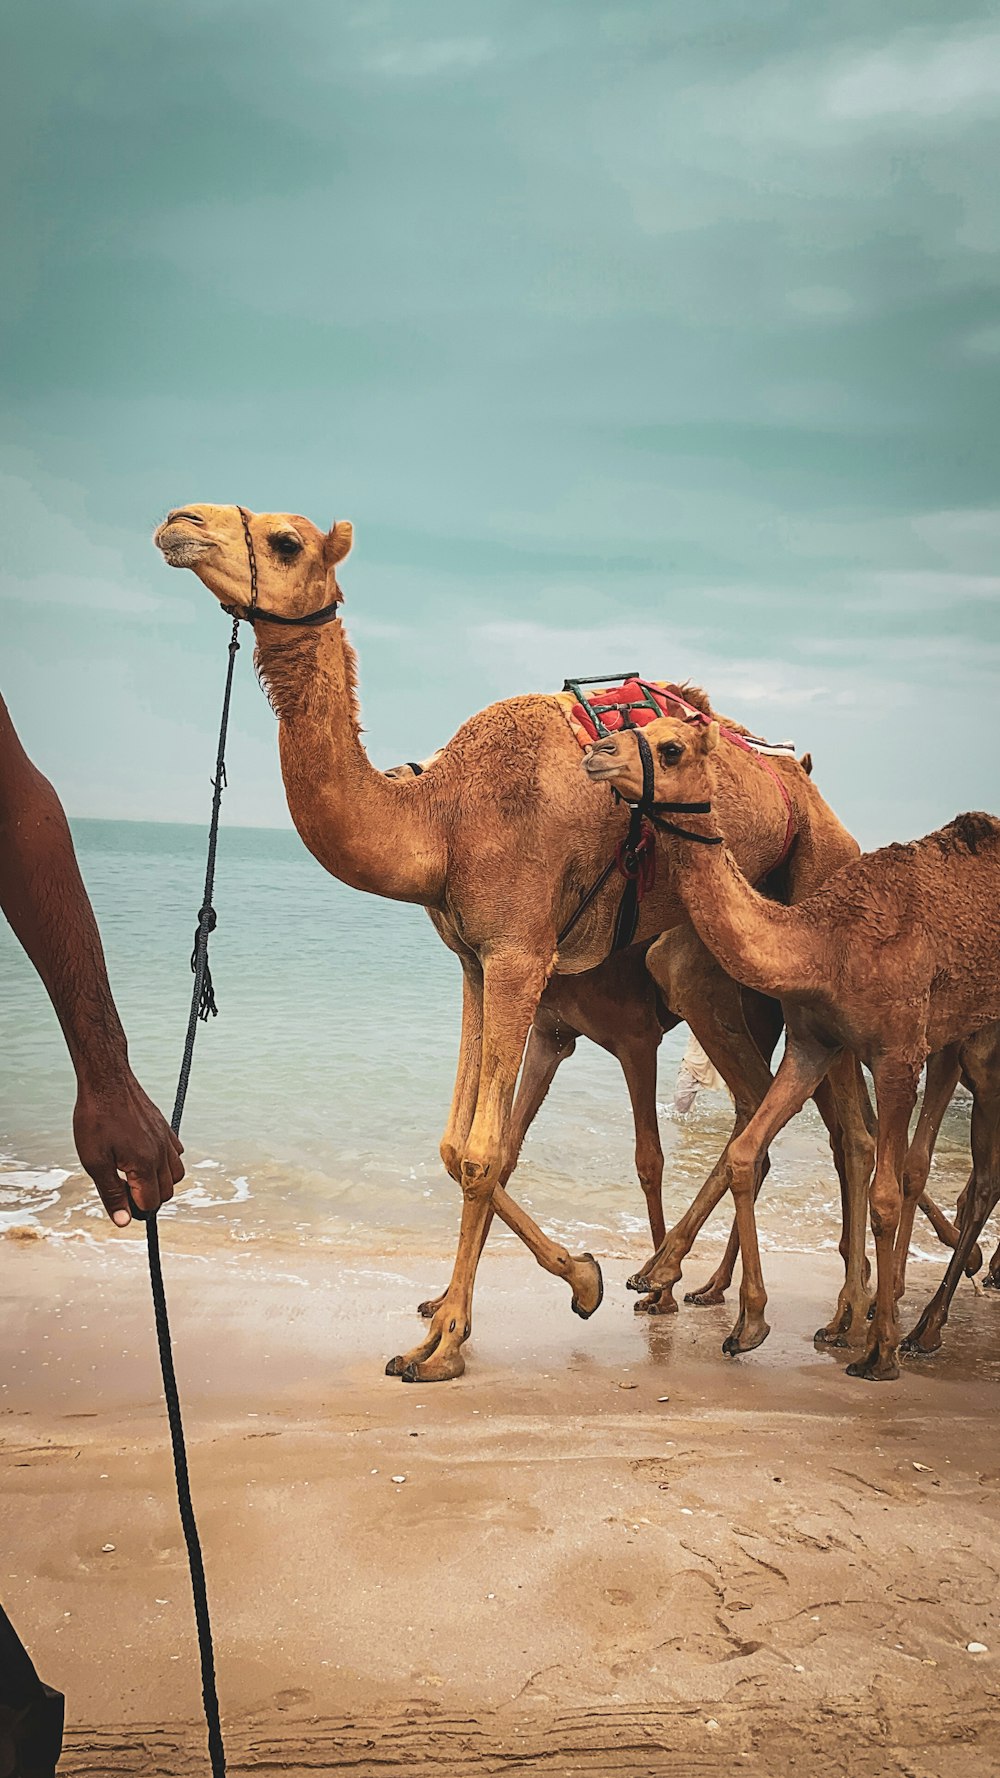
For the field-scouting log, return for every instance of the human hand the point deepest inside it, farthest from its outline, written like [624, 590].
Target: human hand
[126, 1145]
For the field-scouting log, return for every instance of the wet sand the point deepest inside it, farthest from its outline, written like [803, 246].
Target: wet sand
[776, 1570]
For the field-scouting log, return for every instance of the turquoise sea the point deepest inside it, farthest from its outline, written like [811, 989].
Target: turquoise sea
[320, 1092]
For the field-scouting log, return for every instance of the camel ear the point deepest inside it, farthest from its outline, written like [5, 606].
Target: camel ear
[711, 737]
[339, 539]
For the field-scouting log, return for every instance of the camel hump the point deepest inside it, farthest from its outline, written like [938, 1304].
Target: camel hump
[972, 831]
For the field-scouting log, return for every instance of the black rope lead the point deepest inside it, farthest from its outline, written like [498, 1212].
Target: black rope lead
[202, 1007]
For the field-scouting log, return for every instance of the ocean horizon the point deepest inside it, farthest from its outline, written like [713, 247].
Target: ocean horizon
[319, 1093]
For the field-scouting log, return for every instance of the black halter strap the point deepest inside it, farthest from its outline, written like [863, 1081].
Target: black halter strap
[627, 856]
[254, 613]
[652, 810]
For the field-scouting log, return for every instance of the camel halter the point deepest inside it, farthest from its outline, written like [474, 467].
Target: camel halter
[635, 856]
[254, 613]
[646, 805]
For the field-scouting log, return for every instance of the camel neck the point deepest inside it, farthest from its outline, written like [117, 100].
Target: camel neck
[374, 833]
[759, 942]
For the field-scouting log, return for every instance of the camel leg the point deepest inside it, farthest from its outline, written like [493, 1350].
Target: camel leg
[981, 1057]
[542, 1057]
[947, 1233]
[843, 1103]
[942, 1076]
[638, 1064]
[765, 1023]
[895, 1095]
[802, 1067]
[719, 1024]
[512, 983]
[468, 1070]
[978, 1199]
[992, 1278]
[463, 1099]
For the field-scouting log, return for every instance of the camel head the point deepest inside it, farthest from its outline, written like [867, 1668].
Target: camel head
[680, 750]
[296, 562]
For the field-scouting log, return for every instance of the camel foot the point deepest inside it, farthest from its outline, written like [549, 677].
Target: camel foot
[879, 1364]
[658, 1302]
[923, 1340]
[708, 1296]
[639, 1281]
[992, 1281]
[437, 1360]
[430, 1308]
[846, 1316]
[587, 1280]
[976, 1264]
[747, 1335]
[445, 1364]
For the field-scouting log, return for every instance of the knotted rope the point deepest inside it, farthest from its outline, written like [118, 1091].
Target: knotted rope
[203, 1006]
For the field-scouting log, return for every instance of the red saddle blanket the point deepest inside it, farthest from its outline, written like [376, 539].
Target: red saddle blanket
[641, 701]
[631, 705]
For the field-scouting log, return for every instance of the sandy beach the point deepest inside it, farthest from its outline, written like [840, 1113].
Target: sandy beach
[774, 1570]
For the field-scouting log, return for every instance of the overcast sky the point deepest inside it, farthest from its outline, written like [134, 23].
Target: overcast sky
[656, 336]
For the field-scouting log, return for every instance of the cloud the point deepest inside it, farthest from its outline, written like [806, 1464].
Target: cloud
[435, 57]
[983, 342]
[537, 654]
[54, 554]
[929, 588]
[919, 77]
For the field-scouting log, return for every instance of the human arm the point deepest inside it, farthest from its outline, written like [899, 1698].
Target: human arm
[123, 1141]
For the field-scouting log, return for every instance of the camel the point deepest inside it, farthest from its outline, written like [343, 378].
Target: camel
[499, 839]
[894, 958]
[619, 1007]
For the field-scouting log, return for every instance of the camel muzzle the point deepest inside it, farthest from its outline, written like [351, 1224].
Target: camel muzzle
[180, 548]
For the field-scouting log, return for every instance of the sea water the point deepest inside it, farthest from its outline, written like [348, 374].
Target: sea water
[319, 1093]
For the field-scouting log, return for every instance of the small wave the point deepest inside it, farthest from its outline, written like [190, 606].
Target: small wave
[26, 1192]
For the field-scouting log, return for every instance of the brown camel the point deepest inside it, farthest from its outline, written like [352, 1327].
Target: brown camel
[619, 1007]
[499, 840]
[893, 959]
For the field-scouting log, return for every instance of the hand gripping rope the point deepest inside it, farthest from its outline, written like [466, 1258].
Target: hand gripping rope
[202, 1007]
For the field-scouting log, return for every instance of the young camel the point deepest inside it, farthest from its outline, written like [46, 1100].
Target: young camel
[894, 958]
[498, 839]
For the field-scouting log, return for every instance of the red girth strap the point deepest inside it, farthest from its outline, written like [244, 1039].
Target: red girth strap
[639, 866]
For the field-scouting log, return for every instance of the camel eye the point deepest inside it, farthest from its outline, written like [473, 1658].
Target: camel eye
[285, 545]
[670, 753]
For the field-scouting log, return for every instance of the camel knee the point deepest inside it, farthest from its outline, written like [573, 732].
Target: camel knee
[741, 1166]
[451, 1159]
[885, 1205]
[916, 1170]
[859, 1155]
[649, 1167]
[480, 1172]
